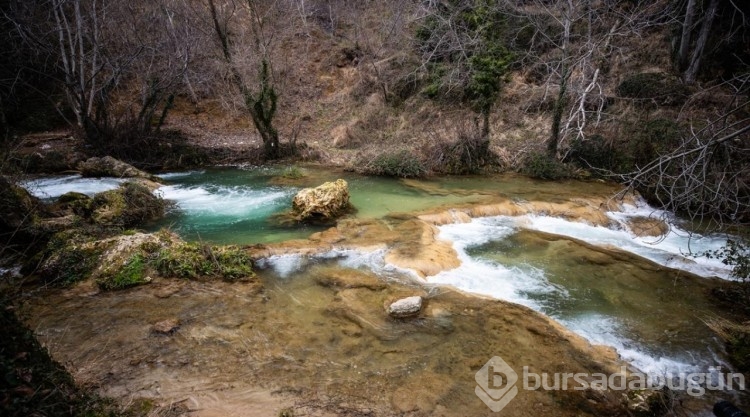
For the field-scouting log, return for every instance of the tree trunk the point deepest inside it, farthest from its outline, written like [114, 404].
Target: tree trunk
[695, 62]
[560, 103]
[554, 138]
[687, 29]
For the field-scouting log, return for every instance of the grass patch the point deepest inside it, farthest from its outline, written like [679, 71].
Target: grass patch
[192, 260]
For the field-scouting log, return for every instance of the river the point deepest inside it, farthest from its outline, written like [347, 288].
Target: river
[644, 296]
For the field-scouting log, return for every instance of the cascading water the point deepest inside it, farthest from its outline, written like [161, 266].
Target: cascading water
[48, 188]
[653, 316]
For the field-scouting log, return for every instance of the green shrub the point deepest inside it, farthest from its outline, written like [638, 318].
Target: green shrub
[541, 166]
[659, 88]
[402, 164]
[475, 73]
[736, 253]
[185, 260]
[232, 263]
[468, 153]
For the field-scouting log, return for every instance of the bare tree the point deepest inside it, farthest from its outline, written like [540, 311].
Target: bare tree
[101, 49]
[706, 177]
[573, 42]
[261, 104]
[732, 28]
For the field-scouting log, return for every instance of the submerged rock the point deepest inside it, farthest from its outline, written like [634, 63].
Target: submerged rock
[167, 326]
[647, 226]
[323, 203]
[337, 278]
[405, 307]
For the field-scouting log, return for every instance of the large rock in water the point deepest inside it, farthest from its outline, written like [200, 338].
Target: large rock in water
[111, 167]
[322, 203]
[129, 205]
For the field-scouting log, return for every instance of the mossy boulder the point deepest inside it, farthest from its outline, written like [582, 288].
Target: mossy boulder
[324, 203]
[125, 260]
[132, 259]
[72, 203]
[129, 205]
[67, 259]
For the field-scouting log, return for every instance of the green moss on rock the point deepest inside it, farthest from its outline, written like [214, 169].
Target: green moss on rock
[67, 258]
[132, 273]
[129, 205]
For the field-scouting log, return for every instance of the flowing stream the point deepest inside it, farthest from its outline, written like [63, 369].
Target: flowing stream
[603, 283]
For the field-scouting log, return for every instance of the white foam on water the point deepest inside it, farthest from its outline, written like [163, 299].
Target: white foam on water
[486, 277]
[678, 249]
[604, 330]
[525, 286]
[233, 202]
[286, 265]
[283, 265]
[181, 174]
[53, 187]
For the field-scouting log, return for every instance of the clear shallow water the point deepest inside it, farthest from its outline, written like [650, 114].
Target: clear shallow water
[237, 205]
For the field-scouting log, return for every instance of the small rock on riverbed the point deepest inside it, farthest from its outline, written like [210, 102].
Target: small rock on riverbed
[405, 307]
[168, 326]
